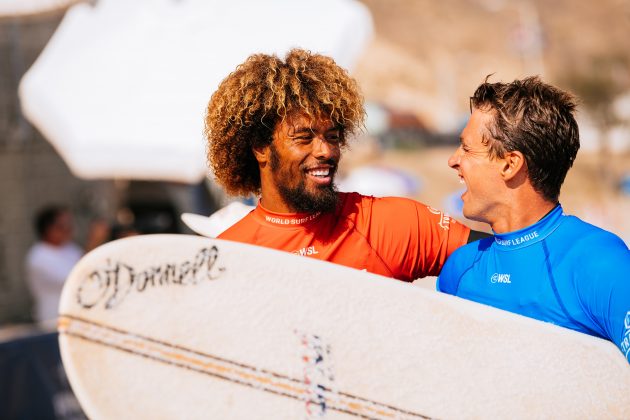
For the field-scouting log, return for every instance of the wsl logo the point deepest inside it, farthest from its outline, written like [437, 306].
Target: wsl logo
[500, 278]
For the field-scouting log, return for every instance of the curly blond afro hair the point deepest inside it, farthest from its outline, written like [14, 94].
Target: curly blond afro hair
[259, 94]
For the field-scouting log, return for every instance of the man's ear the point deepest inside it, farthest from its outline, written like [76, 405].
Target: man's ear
[262, 153]
[513, 164]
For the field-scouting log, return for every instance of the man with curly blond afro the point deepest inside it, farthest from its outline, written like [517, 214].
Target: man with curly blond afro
[276, 129]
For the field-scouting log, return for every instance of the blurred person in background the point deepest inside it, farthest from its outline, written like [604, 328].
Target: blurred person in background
[276, 128]
[515, 152]
[52, 257]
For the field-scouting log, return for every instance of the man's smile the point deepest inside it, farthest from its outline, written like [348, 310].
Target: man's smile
[321, 174]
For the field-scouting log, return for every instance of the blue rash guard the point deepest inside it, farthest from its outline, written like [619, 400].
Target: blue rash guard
[560, 270]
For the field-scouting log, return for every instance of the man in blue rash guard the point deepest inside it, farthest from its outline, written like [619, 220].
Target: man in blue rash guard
[515, 152]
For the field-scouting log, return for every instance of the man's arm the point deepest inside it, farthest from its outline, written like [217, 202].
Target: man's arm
[604, 291]
[412, 238]
[448, 280]
[616, 320]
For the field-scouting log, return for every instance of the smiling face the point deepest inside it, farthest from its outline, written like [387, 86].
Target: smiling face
[481, 173]
[298, 168]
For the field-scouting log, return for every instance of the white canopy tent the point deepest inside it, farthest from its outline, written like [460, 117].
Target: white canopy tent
[121, 88]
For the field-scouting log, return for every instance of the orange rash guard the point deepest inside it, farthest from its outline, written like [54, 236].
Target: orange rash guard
[393, 237]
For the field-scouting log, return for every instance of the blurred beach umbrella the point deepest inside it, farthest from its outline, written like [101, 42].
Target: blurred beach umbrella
[10, 9]
[121, 88]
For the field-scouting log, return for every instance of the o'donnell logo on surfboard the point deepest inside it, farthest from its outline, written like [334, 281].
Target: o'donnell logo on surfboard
[111, 284]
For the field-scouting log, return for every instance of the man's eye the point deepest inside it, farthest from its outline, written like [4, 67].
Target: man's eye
[333, 136]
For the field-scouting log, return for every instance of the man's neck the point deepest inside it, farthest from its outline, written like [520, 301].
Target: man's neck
[521, 214]
[270, 197]
[276, 206]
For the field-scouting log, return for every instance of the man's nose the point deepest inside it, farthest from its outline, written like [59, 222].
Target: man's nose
[453, 161]
[323, 149]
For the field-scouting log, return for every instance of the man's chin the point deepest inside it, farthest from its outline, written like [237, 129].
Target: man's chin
[324, 199]
[470, 214]
[474, 215]
[312, 200]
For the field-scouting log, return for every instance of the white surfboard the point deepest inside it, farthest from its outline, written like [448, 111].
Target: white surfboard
[177, 326]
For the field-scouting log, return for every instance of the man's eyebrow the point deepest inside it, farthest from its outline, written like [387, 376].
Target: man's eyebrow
[300, 130]
[304, 129]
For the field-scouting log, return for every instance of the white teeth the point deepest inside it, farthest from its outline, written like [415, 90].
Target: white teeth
[461, 180]
[320, 172]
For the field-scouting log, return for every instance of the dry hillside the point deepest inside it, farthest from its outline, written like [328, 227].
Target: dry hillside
[429, 56]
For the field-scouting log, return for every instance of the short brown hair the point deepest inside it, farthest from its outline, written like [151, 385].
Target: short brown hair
[536, 119]
[261, 92]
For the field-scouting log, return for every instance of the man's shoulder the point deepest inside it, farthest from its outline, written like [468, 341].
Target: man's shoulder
[471, 252]
[355, 197]
[395, 214]
[356, 202]
[465, 259]
[44, 250]
[43, 254]
[239, 230]
[589, 249]
[582, 237]
[34, 252]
